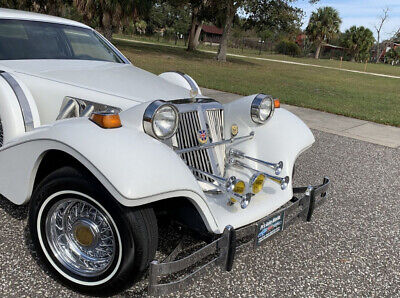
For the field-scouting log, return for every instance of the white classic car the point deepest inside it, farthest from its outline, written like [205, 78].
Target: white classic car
[98, 148]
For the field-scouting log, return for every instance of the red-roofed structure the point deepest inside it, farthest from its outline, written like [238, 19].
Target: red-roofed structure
[212, 30]
[212, 34]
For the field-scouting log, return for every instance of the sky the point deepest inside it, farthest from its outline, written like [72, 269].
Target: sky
[359, 12]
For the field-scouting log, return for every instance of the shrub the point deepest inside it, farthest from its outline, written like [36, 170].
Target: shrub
[288, 48]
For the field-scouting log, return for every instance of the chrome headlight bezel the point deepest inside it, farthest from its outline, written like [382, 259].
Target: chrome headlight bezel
[149, 115]
[255, 110]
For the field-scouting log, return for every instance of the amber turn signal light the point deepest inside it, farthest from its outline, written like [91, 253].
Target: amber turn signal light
[106, 120]
[277, 103]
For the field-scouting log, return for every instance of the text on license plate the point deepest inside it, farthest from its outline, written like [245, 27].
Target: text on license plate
[269, 226]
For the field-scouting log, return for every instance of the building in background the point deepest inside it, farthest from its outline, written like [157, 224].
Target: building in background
[211, 34]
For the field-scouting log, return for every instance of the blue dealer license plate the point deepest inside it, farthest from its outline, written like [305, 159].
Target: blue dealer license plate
[269, 226]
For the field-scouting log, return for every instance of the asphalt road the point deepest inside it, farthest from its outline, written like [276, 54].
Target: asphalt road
[352, 247]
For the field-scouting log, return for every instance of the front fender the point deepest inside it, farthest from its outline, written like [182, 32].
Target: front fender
[135, 168]
[281, 138]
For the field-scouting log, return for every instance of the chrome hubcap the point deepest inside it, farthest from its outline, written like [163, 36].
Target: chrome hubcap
[80, 237]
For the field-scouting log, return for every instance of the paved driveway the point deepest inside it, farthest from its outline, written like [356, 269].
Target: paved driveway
[351, 247]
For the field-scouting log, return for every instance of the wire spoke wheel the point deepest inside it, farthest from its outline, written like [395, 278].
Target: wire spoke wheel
[86, 238]
[81, 237]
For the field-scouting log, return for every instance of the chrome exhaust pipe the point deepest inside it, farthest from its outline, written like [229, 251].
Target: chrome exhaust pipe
[277, 167]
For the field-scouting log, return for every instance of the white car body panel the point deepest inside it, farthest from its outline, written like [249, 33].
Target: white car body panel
[115, 84]
[137, 175]
[135, 168]
[31, 16]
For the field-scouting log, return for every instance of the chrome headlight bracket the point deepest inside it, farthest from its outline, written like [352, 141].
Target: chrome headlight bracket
[75, 107]
[149, 119]
[256, 107]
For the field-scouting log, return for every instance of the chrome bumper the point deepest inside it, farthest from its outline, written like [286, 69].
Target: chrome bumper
[231, 242]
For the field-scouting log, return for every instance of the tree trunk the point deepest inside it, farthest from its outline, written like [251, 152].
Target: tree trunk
[318, 51]
[52, 8]
[192, 34]
[197, 34]
[223, 46]
[107, 26]
[378, 52]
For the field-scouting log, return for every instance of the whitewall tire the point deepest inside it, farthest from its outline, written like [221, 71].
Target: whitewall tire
[86, 238]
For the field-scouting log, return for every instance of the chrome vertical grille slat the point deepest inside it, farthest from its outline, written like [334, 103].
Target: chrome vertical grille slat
[216, 120]
[192, 119]
[186, 136]
[202, 155]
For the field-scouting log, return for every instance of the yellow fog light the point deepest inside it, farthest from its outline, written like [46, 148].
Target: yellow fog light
[240, 187]
[257, 183]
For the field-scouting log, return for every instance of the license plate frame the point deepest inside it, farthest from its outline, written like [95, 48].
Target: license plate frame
[269, 226]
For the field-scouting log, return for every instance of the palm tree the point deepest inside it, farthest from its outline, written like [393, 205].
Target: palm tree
[110, 13]
[358, 41]
[324, 25]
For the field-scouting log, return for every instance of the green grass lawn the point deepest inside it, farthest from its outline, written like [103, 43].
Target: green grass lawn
[370, 67]
[350, 94]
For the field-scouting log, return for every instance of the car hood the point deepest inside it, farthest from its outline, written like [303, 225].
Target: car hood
[123, 80]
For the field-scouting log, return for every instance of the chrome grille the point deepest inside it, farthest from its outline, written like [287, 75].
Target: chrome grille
[186, 137]
[216, 130]
[208, 160]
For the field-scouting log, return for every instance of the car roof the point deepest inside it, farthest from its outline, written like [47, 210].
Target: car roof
[31, 16]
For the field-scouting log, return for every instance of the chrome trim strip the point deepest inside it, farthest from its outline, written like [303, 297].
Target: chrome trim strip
[211, 145]
[189, 80]
[148, 119]
[22, 100]
[113, 48]
[255, 108]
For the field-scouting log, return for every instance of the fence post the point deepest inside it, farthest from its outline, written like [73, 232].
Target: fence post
[341, 61]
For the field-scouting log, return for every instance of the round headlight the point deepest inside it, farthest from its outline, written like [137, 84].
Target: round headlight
[262, 108]
[160, 120]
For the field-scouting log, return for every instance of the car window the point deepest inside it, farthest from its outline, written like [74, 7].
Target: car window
[38, 40]
[87, 45]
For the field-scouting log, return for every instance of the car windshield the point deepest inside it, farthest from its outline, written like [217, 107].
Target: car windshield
[38, 40]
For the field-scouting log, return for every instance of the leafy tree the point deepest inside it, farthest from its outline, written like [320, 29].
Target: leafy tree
[174, 19]
[109, 14]
[359, 41]
[288, 48]
[231, 7]
[263, 14]
[378, 28]
[197, 14]
[278, 16]
[63, 8]
[16, 4]
[323, 26]
[141, 26]
[396, 36]
[393, 56]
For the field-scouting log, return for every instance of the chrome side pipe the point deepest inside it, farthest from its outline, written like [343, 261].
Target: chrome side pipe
[277, 167]
[283, 182]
